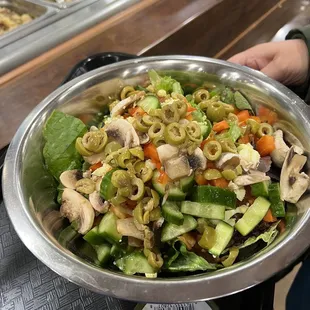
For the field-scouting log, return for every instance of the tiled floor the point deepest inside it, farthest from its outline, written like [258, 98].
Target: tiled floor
[282, 289]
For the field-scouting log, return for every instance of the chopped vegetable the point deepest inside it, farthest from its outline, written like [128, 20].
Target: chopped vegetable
[265, 145]
[220, 126]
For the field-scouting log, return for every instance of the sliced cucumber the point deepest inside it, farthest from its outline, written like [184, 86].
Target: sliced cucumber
[133, 263]
[149, 103]
[253, 216]
[205, 210]
[118, 251]
[223, 234]
[277, 205]
[174, 193]
[107, 190]
[291, 215]
[93, 237]
[171, 231]
[260, 189]
[103, 253]
[214, 195]
[107, 228]
[171, 213]
[187, 183]
[67, 235]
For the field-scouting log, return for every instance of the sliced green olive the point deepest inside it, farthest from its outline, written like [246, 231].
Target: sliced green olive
[126, 91]
[155, 113]
[140, 125]
[200, 95]
[155, 214]
[254, 125]
[137, 152]
[264, 129]
[137, 189]
[95, 141]
[212, 150]
[212, 174]
[155, 260]
[123, 159]
[150, 120]
[229, 174]
[158, 141]
[232, 118]
[193, 131]
[170, 113]
[205, 104]
[80, 147]
[111, 147]
[175, 134]
[216, 112]
[85, 186]
[143, 172]
[228, 107]
[121, 179]
[182, 107]
[156, 130]
[233, 254]
[228, 145]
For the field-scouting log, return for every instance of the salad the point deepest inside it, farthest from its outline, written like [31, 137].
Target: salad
[166, 182]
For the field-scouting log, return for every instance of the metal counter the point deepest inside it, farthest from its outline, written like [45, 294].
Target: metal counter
[58, 23]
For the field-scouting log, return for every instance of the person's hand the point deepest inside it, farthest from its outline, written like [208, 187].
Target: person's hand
[286, 62]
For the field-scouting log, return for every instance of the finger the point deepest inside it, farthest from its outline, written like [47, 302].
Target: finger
[239, 58]
[272, 70]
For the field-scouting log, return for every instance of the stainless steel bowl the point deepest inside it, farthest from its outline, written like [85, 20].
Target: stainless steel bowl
[29, 190]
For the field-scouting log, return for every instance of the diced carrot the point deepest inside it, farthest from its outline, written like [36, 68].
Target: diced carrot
[244, 139]
[221, 182]
[191, 109]
[211, 165]
[163, 177]
[266, 115]
[243, 115]
[265, 145]
[151, 152]
[281, 226]
[136, 111]
[220, 126]
[256, 118]
[200, 180]
[236, 110]
[269, 218]
[95, 166]
[189, 117]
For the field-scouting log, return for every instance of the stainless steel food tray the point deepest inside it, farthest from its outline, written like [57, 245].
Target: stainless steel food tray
[39, 12]
[64, 5]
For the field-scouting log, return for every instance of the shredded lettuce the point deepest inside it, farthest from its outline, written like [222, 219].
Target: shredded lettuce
[166, 83]
[234, 131]
[187, 261]
[227, 95]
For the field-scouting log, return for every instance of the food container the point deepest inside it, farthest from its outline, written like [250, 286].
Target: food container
[63, 4]
[36, 11]
[29, 190]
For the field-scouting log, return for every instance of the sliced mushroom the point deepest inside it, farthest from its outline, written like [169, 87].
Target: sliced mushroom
[95, 158]
[77, 208]
[166, 152]
[228, 160]
[127, 227]
[122, 105]
[177, 168]
[98, 203]
[251, 178]
[197, 160]
[264, 164]
[293, 183]
[70, 177]
[143, 137]
[281, 149]
[289, 137]
[123, 132]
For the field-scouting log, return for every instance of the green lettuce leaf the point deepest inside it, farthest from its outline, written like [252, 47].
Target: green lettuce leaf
[241, 102]
[60, 132]
[227, 96]
[188, 261]
[234, 131]
[166, 83]
[268, 236]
